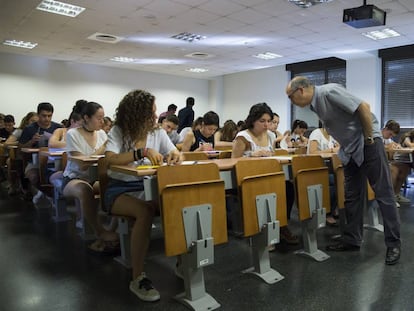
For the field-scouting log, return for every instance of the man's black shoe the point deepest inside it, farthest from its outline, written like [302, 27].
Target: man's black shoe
[342, 247]
[393, 255]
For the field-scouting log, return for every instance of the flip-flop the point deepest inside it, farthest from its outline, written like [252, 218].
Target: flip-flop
[105, 247]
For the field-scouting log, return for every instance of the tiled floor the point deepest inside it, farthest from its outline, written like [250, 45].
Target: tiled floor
[46, 266]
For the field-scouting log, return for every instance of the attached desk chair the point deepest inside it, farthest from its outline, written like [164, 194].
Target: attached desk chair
[193, 214]
[195, 156]
[311, 179]
[261, 184]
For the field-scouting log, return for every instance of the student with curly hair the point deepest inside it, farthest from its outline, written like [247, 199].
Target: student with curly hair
[134, 138]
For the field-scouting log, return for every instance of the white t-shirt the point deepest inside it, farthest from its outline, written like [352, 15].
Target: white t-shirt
[323, 143]
[271, 137]
[76, 142]
[158, 140]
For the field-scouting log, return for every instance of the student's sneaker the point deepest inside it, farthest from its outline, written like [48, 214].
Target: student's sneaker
[143, 288]
[401, 199]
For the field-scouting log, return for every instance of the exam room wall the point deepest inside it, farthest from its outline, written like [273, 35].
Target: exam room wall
[25, 81]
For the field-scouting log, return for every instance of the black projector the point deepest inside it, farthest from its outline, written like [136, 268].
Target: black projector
[364, 16]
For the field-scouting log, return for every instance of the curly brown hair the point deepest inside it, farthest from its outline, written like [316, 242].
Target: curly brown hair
[135, 116]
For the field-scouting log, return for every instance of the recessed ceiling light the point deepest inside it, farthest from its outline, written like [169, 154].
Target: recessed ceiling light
[189, 37]
[307, 3]
[20, 44]
[267, 55]
[105, 37]
[381, 34]
[60, 8]
[122, 59]
[197, 70]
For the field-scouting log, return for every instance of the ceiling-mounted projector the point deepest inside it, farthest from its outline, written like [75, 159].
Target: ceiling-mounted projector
[364, 16]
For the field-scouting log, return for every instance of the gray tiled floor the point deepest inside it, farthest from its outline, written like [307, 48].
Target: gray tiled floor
[45, 266]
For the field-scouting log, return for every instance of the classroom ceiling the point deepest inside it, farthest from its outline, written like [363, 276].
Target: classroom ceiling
[234, 30]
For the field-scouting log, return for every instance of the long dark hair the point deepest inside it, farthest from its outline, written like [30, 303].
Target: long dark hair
[256, 112]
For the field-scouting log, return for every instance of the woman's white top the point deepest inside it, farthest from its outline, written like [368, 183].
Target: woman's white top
[158, 140]
[323, 143]
[271, 137]
[76, 142]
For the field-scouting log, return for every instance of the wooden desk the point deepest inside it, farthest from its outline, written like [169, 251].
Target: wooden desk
[90, 161]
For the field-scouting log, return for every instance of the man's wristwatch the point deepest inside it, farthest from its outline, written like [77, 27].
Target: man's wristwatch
[369, 140]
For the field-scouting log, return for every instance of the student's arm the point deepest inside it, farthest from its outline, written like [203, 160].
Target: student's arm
[408, 142]
[240, 145]
[188, 141]
[12, 140]
[217, 137]
[55, 141]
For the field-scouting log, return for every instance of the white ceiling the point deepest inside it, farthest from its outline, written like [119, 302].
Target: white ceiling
[235, 30]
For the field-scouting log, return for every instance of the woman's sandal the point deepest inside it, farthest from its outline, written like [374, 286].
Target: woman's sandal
[105, 247]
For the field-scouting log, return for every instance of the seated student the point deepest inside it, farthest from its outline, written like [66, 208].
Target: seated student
[273, 128]
[171, 109]
[195, 126]
[28, 119]
[390, 130]
[170, 124]
[8, 128]
[34, 136]
[296, 137]
[89, 139]
[321, 142]
[107, 125]
[15, 169]
[134, 138]
[401, 167]
[202, 139]
[258, 141]
[58, 139]
[227, 133]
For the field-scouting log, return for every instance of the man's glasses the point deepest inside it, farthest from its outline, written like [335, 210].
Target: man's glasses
[293, 92]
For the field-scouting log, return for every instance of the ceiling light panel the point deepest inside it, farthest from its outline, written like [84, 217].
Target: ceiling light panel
[60, 8]
[20, 44]
[189, 37]
[267, 55]
[381, 34]
[197, 70]
[122, 59]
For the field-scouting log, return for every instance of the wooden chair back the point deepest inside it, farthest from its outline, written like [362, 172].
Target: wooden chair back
[224, 155]
[257, 177]
[195, 156]
[280, 152]
[310, 170]
[182, 186]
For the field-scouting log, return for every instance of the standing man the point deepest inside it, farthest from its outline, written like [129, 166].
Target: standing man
[186, 115]
[349, 120]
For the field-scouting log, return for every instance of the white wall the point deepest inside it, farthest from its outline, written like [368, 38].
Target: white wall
[25, 81]
[363, 79]
[243, 90]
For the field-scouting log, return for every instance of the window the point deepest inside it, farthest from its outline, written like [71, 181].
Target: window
[321, 71]
[397, 85]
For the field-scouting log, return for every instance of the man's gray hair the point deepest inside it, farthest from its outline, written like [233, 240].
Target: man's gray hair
[300, 81]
